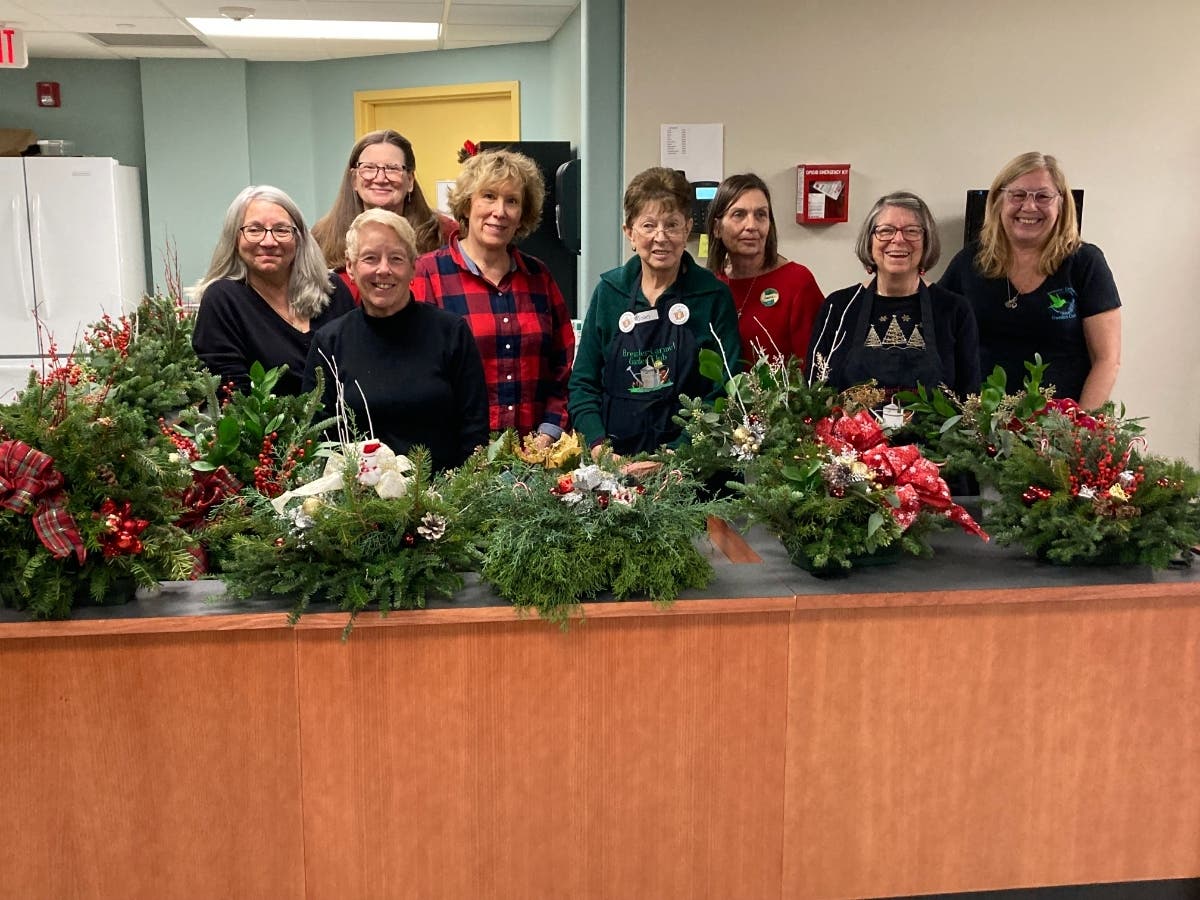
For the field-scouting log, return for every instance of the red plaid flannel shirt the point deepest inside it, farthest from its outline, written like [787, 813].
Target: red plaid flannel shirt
[522, 328]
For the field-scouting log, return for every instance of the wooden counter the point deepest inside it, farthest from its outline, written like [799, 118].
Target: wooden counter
[974, 721]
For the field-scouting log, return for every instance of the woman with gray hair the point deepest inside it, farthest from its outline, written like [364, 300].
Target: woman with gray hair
[265, 293]
[896, 330]
[409, 372]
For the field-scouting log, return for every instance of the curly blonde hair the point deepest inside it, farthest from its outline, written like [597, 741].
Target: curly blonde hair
[495, 167]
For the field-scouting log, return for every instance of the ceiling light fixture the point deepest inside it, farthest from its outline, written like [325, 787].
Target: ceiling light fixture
[315, 28]
[237, 13]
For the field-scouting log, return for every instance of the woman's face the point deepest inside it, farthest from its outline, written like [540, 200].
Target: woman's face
[1029, 224]
[270, 258]
[897, 255]
[495, 215]
[746, 223]
[659, 236]
[380, 187]
[382, 271]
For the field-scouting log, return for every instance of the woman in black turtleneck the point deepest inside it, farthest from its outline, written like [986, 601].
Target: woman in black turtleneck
[417, 366]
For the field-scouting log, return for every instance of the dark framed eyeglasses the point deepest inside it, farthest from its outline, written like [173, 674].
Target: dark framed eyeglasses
[255, 233]
[910, 233]
[391, 171]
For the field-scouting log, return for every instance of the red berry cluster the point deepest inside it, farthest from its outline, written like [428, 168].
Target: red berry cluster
[184, 444]
[112, 335]
[268, 480]
[1107, 470]
[60, 370]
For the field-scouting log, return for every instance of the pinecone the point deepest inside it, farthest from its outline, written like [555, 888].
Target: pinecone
[106, 475]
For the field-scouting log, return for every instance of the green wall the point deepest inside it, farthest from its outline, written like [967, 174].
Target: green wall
[101, 105]
[197, 154]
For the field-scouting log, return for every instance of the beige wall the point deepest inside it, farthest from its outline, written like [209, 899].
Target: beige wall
[935, 96]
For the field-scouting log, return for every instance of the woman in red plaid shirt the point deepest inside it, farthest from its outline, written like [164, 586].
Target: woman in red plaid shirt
[509, 299]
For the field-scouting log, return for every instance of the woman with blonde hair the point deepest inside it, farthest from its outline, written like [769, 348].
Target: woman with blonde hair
[381, 174]
[1036, 287]
[508, 298]
[265, 293]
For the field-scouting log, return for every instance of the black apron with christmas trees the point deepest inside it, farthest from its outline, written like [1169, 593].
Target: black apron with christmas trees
[652, 360]
[883, 351]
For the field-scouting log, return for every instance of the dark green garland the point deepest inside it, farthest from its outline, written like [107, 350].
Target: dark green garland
[546, 554]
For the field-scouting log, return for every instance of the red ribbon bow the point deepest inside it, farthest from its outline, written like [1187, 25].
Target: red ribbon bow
[30, 483]
[917, 482]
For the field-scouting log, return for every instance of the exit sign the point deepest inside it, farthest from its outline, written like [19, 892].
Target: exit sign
[12, 49]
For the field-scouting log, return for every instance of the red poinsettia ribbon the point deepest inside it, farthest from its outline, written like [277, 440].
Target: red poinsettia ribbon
[857, 432]
[918, 485]
[30, 483]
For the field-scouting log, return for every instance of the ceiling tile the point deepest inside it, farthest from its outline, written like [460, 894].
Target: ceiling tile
[478, 14]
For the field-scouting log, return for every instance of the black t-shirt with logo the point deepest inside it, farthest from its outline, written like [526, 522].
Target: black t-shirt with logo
[1047, 320]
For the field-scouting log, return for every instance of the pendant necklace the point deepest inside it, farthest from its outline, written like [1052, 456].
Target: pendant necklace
[1011, 302]
[746, 297]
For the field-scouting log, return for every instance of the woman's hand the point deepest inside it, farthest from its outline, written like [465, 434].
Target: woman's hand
[641, 468]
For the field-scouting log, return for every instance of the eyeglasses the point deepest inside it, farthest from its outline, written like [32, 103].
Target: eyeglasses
[391, 171]
[255, 233]
[673, 229]
[1040, 198]
[910, 233]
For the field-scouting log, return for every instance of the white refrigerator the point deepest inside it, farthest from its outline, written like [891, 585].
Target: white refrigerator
[71, 249]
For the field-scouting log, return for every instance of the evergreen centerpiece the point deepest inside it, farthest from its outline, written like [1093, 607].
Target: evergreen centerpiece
[87, 501]
[1078, 488]
[554, 539]
[373, 530]
[822, 479]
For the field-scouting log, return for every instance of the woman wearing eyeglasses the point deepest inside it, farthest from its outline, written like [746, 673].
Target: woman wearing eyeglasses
[897, 329]
[646, 324]
[1037, 288]
[381, 174]
[266, 291]
[776, 299]
[509, 299]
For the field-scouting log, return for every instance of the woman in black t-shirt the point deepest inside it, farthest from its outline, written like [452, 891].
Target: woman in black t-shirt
[1036, 288]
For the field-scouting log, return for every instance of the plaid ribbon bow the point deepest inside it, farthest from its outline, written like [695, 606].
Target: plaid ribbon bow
[30, 483]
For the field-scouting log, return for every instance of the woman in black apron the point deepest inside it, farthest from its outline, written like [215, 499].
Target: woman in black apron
[646, 324]
[897, 330]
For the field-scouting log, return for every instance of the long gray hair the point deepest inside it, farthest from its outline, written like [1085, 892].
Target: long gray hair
[309, 288]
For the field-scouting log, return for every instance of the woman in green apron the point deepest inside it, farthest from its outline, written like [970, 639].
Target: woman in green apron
[645, 326]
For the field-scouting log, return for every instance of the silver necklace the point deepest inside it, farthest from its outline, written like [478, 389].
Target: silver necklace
[1013, 294]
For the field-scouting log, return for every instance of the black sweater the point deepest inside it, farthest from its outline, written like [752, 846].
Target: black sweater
[235, 328]
[421, 374]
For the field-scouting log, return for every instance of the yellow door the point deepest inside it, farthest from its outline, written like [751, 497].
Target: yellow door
[438, 119]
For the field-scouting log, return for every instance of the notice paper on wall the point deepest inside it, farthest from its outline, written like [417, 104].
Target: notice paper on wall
[698, 150]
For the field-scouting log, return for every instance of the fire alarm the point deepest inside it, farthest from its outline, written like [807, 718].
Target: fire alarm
[48, 94]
